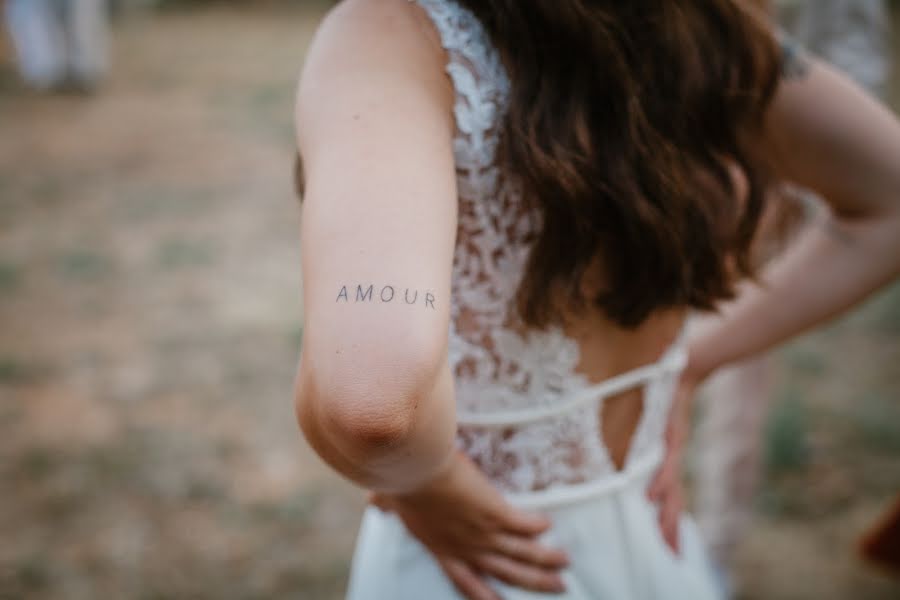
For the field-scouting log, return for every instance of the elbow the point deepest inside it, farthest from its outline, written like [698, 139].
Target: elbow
[350, 424]
[358, 415]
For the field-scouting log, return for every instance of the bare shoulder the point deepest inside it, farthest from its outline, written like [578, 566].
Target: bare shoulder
[400, 17]
[392, 40]
[376, 58]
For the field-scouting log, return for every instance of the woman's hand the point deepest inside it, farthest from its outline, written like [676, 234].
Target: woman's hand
[473, 532]
[666, 489]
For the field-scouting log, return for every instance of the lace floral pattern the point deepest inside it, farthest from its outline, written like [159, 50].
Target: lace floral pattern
[496, 365]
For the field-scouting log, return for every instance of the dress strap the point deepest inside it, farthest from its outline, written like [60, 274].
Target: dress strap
[672, 363]
[561, 495]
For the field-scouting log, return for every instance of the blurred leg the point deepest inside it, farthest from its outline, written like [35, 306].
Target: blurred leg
[38, 40]
[87, 31]
[728, 460]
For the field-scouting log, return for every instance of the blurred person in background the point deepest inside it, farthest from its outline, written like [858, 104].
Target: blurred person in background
[509, 212]
[854, 36]
[60, 44]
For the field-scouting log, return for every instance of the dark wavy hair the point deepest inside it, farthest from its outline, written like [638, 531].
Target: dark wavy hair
[632, 129]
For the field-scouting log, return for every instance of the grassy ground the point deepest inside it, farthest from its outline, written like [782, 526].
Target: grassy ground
[149, 326]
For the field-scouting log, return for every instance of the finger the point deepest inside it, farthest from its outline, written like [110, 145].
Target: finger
[662, 481]
[655, 488]
[466, 580]
[519, 574]
[669, 516]
[667, 475]
[529, 551]
[523, 522]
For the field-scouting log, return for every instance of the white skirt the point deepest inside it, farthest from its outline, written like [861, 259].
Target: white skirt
[612, 536]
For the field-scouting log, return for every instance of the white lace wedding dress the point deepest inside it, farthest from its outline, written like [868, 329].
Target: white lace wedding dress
[526, 417]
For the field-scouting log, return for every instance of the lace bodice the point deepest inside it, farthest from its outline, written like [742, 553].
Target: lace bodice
[504, 372]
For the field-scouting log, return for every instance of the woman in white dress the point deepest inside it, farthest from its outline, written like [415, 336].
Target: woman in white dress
[509, 210]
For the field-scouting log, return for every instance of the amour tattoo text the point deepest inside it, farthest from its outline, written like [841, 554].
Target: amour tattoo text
[384, 294]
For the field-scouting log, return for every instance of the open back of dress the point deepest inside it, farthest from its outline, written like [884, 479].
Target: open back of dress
[528, 419]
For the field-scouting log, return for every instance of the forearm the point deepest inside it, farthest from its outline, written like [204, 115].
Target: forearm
[831, 267]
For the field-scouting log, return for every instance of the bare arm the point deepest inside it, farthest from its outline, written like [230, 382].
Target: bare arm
[374, 394]
[826, 134]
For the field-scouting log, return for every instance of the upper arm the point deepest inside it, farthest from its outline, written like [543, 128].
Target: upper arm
[825, 133]
[374, 123]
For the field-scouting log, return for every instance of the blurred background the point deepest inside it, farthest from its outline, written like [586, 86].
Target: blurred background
[150, 325]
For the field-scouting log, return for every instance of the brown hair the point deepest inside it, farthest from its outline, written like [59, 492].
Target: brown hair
[626, 125]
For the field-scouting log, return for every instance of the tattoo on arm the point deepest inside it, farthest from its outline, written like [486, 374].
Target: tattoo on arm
[384, 294]
[794, 61]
